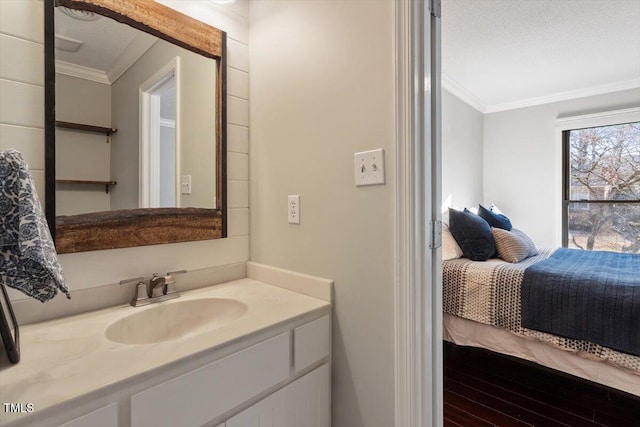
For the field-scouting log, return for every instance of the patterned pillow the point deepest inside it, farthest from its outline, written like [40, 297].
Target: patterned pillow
[473, 234]
[514, 245]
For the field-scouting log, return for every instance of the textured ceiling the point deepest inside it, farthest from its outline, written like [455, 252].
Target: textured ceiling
[507, 53]
[104, 40]
[107, 48]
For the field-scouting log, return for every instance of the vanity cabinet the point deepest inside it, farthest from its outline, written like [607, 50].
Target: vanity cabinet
[303, 403]
[272, 367]
[203, 395]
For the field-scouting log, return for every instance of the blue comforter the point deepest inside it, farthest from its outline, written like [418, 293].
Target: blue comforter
[586, 295]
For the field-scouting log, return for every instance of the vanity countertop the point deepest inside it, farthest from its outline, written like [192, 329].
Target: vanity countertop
[68, 358]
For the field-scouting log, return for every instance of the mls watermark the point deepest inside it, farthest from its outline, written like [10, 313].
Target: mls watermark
[20, 408]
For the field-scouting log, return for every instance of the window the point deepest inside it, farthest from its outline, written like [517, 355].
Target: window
[601, 188]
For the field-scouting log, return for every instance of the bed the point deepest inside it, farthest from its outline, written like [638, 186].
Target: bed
[483, 308]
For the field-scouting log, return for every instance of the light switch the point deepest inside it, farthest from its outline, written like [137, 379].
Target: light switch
[186, 184]
[369, 167]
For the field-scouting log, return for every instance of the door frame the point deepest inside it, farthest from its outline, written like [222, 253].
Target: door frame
[148, 121]
[418, 285]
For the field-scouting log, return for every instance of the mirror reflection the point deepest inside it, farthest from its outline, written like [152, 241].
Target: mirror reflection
[134, 129]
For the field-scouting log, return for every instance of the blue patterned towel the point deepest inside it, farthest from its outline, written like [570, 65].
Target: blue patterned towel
[28, 259]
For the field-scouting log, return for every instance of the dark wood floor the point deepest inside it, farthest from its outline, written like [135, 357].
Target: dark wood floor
[482, 388]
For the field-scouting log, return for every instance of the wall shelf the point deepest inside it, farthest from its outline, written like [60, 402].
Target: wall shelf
[87, 128]
[87, 182]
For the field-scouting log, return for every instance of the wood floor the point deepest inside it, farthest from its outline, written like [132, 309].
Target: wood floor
[482, 388]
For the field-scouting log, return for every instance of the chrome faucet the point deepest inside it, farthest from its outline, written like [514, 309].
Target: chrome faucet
[154, 289]
[156, 282]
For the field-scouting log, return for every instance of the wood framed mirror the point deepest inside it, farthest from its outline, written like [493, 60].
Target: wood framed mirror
[135, 125]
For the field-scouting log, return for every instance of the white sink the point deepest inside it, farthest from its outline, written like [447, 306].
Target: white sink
[175, 319]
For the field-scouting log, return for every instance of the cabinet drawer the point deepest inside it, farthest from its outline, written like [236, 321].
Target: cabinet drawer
[311, 342]
[103, 417]
[200, 396]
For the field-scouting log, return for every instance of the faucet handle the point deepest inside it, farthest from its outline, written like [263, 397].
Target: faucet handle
[171, 273]
[141, 293]
[170, 282]
[133, 280]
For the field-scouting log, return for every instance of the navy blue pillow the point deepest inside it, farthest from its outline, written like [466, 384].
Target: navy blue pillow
[473, 234]
[495, 220]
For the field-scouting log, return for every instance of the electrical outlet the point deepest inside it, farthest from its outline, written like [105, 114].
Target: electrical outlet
[186, 184]
[293, 211]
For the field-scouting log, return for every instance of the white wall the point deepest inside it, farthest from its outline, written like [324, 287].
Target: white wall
[523, 161]
[21, 127]
[462, 133]
[322, 88]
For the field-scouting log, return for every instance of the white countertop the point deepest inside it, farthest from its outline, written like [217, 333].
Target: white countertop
[70, 357]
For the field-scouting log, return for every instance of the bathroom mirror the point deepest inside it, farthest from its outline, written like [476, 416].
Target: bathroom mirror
[135, 125]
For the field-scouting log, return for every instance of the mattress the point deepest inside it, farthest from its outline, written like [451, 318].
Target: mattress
[488, 293]
[469, 333]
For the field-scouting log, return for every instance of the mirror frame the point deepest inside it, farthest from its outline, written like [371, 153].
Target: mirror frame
[140, 227]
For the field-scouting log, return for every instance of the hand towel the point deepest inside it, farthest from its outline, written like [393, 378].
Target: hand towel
[28, 259]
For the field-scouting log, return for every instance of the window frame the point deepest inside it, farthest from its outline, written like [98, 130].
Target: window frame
[564, 126]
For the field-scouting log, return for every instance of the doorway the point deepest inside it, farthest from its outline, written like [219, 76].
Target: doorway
[159, 139]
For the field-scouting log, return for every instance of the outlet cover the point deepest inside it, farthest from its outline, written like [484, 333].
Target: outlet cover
[369, 167]
[293, 211]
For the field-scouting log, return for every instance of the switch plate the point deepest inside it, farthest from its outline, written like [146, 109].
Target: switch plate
[293, 211]
[186, 184]
[369, 167]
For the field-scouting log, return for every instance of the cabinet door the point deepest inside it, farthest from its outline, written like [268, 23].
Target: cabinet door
[303, 403]
[103, 417]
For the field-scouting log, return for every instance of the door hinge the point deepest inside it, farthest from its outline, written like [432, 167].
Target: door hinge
[436, 234]
[435, 7]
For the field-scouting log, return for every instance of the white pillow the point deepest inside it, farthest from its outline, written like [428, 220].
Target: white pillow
[493, 208]
[450, 248]
[445, 217]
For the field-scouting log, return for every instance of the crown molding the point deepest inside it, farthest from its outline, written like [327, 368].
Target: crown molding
[469, 98]
[462, 93]
[130, 55]
[81, 72]
[126, 59]
[565, 96]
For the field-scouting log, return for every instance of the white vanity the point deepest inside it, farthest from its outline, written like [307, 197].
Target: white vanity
[262, 360]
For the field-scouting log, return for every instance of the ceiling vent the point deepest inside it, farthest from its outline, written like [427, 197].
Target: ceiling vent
[82, 15]
[67, 44]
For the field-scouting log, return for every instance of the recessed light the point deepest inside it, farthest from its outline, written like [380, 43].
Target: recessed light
[222, 1]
